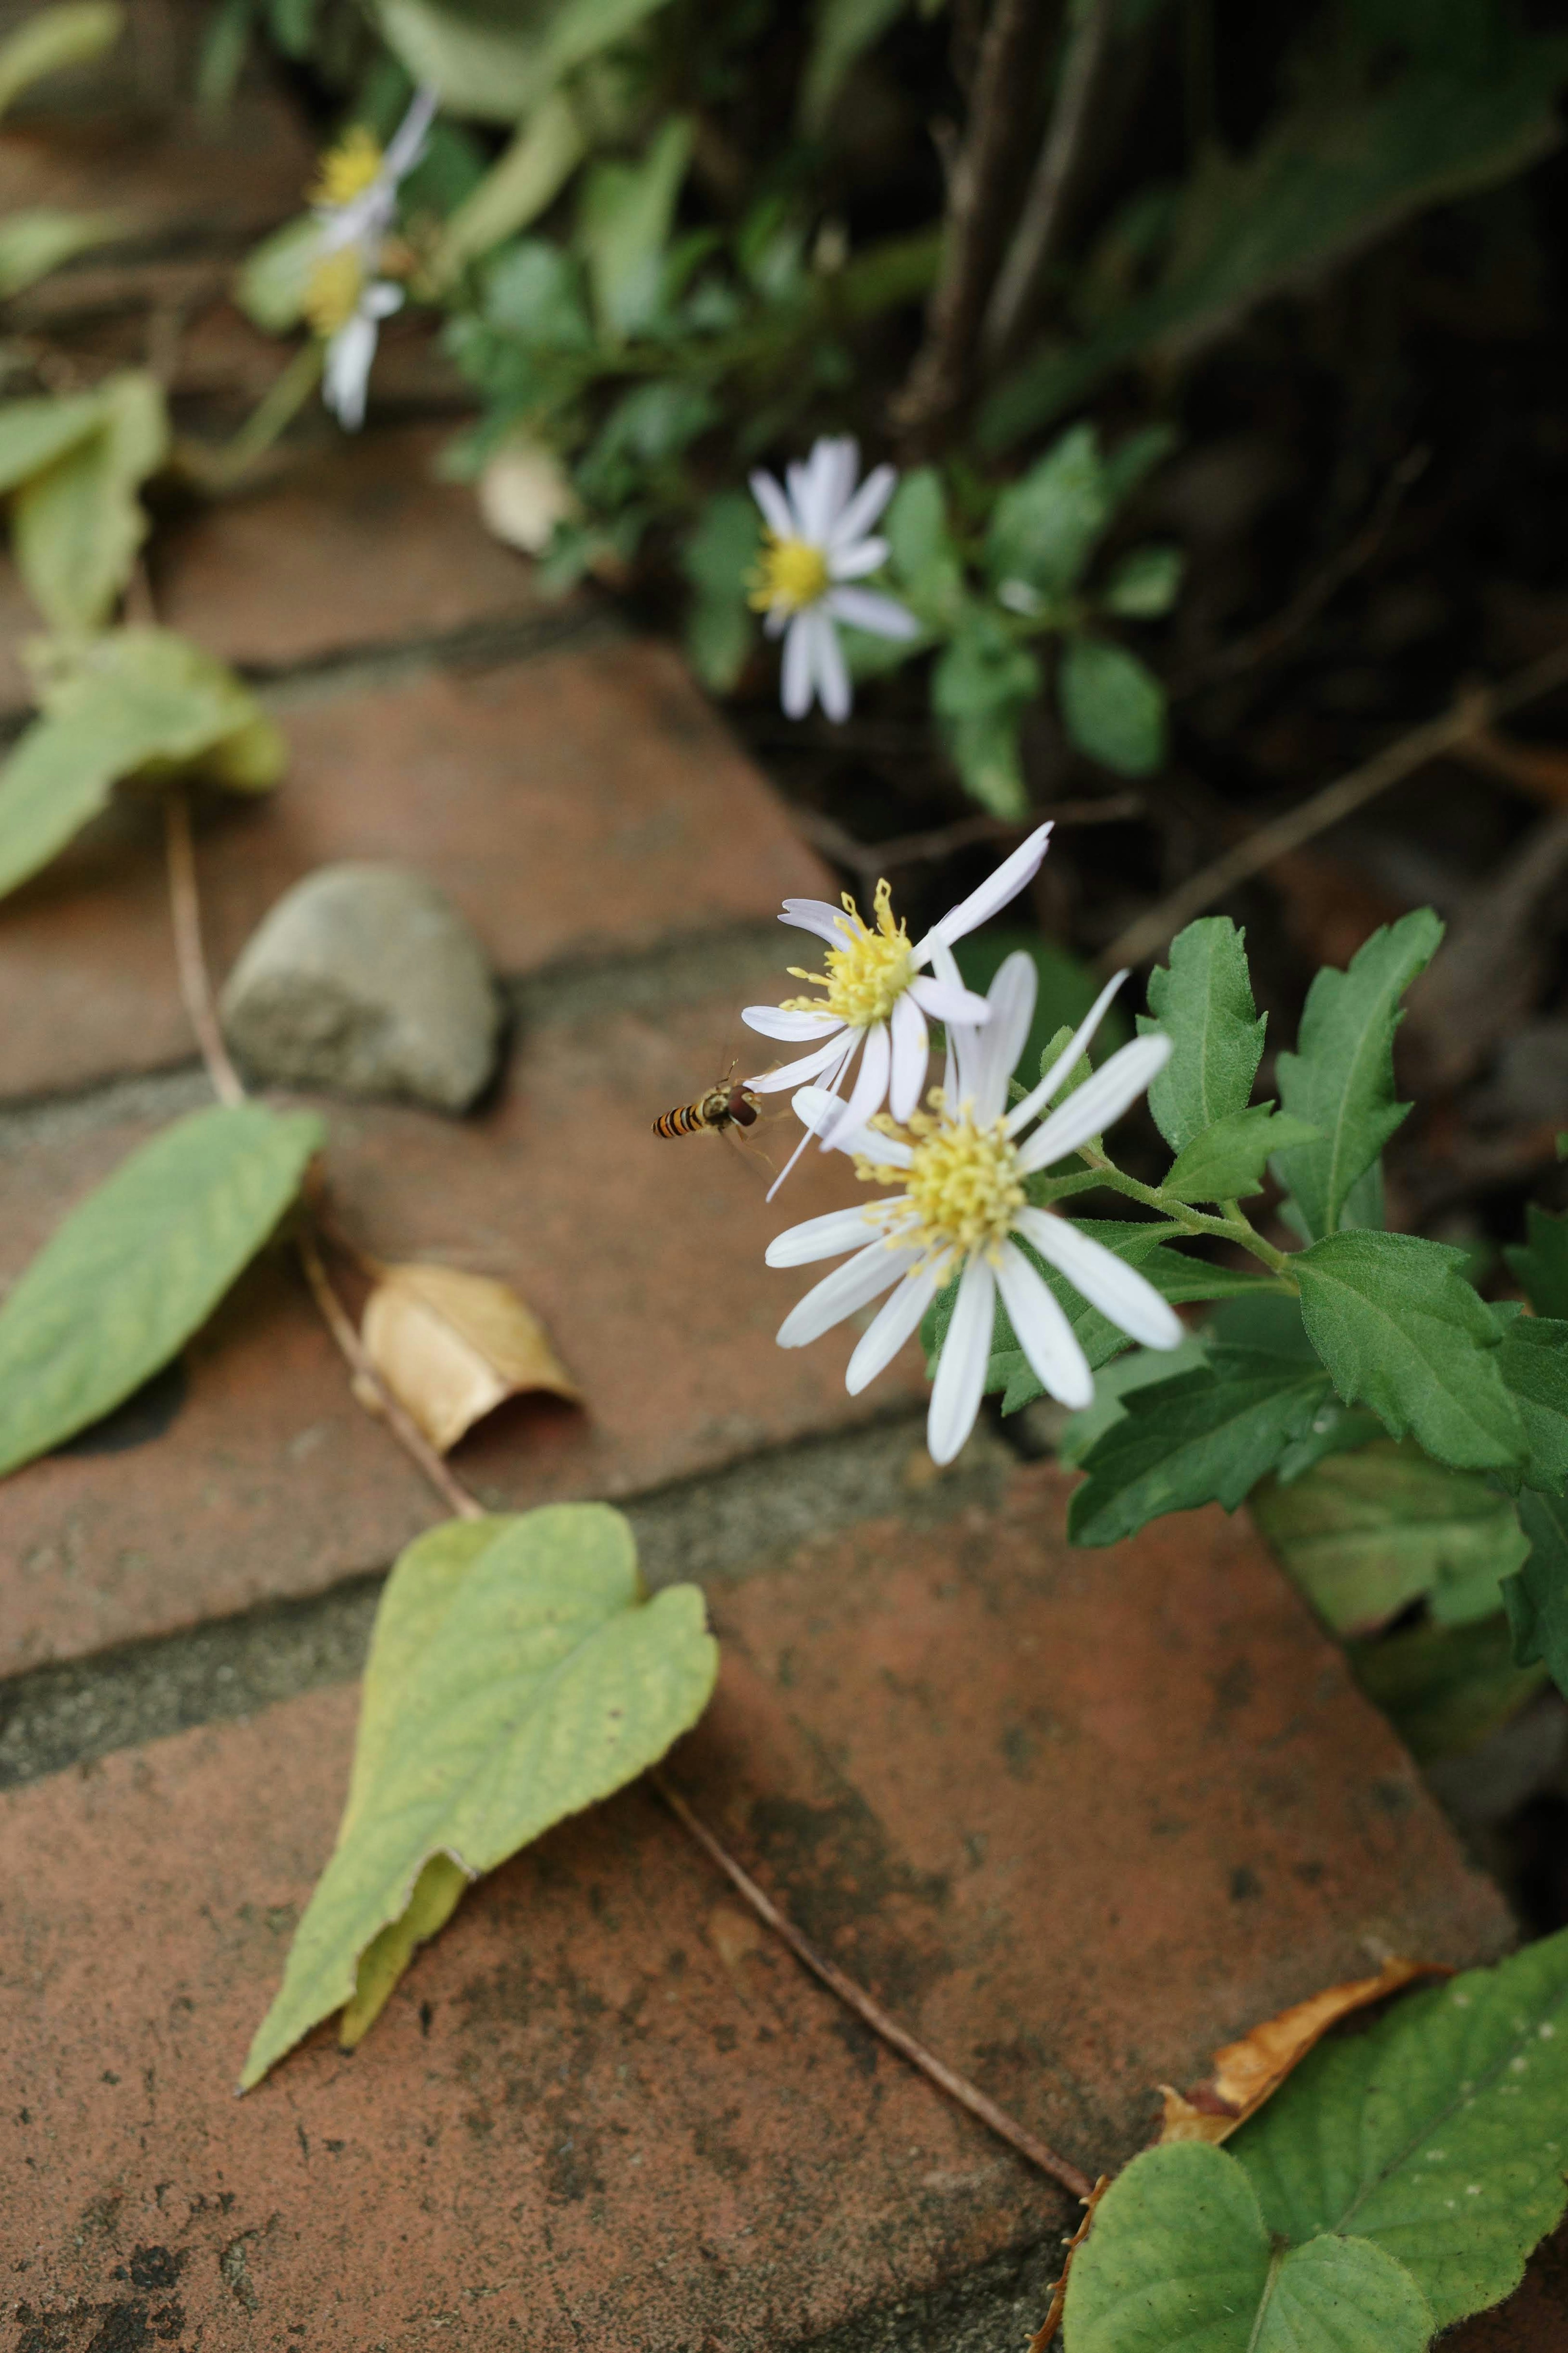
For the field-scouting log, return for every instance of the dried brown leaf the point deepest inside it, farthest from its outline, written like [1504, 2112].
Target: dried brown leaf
[1053, 2319]
[452, 1347]
[1250, 2072]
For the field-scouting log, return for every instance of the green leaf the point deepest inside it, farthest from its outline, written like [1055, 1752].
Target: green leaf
[1226, 1162]
[33, 243]
[1537, 1598]
[1365, 1533]
[624, 220]
[1540, 1264]
[519, 186]
[77, 525]
[52, 39]
[843, 31]
[1139, 1369]
[718, 558]
[1044, 527]
[925, 558]
[1065, 991]
[1180, 2255]
[1203, 1002]
[1341, 1077]
[1439, 2134]
[1401, 1330]
[1145, 584]
[1445, 1688]
[1112, 707]
[1534, 1359]
[516, 1683]
[498, 61]
[1205, 1437]
[139, 1266]
[35, 433]
[980, 689]
[271, 282]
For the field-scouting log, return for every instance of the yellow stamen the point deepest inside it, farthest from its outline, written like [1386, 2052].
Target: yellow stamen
[333, 290]
[347, 169]
[867, 976]
[791, 574]
[964, 1184]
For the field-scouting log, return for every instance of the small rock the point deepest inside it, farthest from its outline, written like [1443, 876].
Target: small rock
[363, 979]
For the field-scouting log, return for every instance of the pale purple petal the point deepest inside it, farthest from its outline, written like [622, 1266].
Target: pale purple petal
[1066, 1061]
[1107, 1281]
[1043, 1331]
[1100, 1100]
[855, 520]
[1013, 875]
[895, 1322]
[960, 1371]
[858, 1280]
[999, 1044]
[911, 1051]
[769, 495]
[862, 608]
[830, 1237]
[795, 689]
[827, 661]
[839, 1048]
[772, 1021]
[853, 562]
[871, 1091]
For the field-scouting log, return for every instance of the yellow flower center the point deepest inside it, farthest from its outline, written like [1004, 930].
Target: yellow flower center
[347, 169]
[333, 289]
[867, 976]
[963, 1182]
[791, 574]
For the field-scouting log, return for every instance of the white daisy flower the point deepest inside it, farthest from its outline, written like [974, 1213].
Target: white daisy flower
[816, 540]
[355, 203]
[879, 992]
[964, 1211]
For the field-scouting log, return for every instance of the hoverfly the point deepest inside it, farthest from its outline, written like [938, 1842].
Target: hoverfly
[724, 1106]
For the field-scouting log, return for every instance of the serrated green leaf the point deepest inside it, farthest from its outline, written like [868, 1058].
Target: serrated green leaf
[139, 697]
[1534, 1360]
[33, 243]
[1206, 1437]
[1341, 1077]
[1441, 2134]
[536, 1678]
[75, 526]
[1445, 1688]
[1365, 1533]
[139, 1266]
[1180, 2255]
[1226, 1162]
[1139, 1369]
[1145, 584]
[1537, 1598]
[52, 39]
[1044, 527]
[1400, 1331]
[1203, 1002]
[1541, 1263]
[1113, 708]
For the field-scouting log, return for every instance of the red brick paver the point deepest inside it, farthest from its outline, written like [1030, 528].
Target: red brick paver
[1075, 1818]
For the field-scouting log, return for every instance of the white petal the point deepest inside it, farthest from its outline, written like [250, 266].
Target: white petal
[799, 480]
[999, 1044]
[776, 620]
[839, 463]
[380, 300]
[852, 521]
[1100, 1100]
[816, 1106]
[1042, 1332]
[860, 1279]
[856, 558]
[830, 1237]
[795, 686]
[945, 1003]
[911, 1052]
[795, 1074]
[895, 1320]
[871, 1091]
[829, 924]
[862, 608]
[1077, 1045]
[960, 1371]
[1010, 877]
[407, 142]
[772, 1021]
[769, 495]
[1107, 1281]
[827, 660]
[346, 373]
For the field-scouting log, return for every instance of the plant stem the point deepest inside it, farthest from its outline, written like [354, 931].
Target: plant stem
[1232, 1228]
[273, 414]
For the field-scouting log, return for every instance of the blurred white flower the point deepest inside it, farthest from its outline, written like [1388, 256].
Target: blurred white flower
[816, 541]
[963, 1212]
[880, 992]
[356, 201]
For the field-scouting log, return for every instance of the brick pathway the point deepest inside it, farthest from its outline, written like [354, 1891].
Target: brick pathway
[1075, 1818]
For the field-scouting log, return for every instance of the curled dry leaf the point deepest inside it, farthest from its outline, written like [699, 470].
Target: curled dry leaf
[1250, 2072]
[1053, 2319]
[452, 1347]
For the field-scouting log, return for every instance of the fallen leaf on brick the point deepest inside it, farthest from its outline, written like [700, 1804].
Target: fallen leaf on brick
[1250, 2072]
[1053, 2319]
[452, 1347]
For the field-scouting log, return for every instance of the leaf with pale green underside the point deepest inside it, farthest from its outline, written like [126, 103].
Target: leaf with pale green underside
[33, 243]
[139, 1266]
[623, 218]
[1205, 1437]
[1226, 1162]
[53, 39]
[1537, 1598]
[1180, 2255]
[272, 282]
[536, 1678]
[1112, 707]
[1203, 1002]
[141, 697]
[1401, 1330]
[35, 433]
[1341, 1078]
[1540, 1262]
[498, 61]
[1365, 1533]
[76, 526]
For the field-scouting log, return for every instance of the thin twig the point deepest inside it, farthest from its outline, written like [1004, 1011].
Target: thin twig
[868, 861]
[1471, 714]
[957, 2087]
[186, 915]
[1039, 223]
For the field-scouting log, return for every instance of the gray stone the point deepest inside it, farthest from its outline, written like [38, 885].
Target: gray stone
[362, 979]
